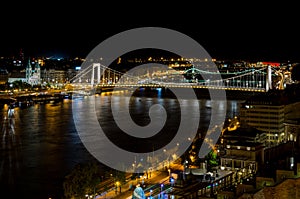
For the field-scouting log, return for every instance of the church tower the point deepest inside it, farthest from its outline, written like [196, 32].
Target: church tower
[33, 75]
[28, 71]
[37, 71]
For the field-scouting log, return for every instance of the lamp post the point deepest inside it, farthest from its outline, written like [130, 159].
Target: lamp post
[133, 165]
[161, 190]
[117, 185]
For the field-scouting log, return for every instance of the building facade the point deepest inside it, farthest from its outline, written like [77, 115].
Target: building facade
[33, 73]
[265, 112]
[243, 149]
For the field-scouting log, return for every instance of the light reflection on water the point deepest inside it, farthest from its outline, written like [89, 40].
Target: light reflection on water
[40, 145]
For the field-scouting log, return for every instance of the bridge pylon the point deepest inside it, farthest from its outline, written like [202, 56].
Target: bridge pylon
[96, 65]
[269, 78]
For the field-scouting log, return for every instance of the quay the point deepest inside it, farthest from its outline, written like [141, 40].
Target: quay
[28, 99]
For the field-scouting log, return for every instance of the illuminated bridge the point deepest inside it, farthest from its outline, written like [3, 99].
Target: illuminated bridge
[98, 75]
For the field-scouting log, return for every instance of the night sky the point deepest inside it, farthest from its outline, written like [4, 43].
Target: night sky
[251, 32]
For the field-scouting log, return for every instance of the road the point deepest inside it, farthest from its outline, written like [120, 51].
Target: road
[152, 183]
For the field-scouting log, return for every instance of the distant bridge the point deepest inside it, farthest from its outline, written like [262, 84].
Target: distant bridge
[98, 75]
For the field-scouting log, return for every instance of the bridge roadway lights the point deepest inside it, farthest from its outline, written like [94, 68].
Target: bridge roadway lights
[183, 86]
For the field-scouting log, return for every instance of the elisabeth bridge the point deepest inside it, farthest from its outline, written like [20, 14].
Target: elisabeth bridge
[97, 75]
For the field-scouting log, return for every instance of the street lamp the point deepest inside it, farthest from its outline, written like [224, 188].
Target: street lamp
[133, 167]
[117, 185]
[161, 187]
[172, 181]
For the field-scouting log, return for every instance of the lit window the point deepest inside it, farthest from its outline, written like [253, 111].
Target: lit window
[248, 148]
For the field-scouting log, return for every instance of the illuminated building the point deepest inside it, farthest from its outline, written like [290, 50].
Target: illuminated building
[33, 75]
[53, 76]
[243, 148]
[265, 112]
[3, 76]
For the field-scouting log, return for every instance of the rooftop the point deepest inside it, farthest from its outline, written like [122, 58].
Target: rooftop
[243, 132]
[274, 97]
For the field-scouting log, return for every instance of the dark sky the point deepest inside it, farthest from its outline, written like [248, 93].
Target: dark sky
[243, 32]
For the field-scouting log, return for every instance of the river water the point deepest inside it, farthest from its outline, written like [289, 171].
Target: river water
[40, 144]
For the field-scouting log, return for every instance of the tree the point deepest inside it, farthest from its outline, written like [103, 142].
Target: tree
[82, 180]
[212, 160]
[21, 85]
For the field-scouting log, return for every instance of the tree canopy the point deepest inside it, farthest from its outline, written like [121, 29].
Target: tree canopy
[212, 160]
[82, 180]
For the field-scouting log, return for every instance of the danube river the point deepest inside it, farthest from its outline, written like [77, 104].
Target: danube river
[40, 144]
